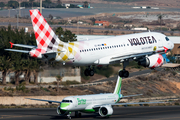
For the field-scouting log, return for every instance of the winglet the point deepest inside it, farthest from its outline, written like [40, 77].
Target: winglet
[11, 44]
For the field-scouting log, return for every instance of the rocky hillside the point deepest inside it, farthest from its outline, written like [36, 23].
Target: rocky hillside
[155, 84]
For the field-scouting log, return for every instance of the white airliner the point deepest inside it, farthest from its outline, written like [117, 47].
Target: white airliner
[95, 103]
[145, 48]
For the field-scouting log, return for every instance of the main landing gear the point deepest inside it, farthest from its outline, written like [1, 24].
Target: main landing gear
[77, 115]
[89, 71]
[124, 73]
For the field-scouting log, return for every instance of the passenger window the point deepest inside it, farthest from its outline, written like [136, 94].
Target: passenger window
[167, 39]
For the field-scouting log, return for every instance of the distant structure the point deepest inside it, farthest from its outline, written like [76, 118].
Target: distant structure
[176, 49]
[82, 6]
[102, 23]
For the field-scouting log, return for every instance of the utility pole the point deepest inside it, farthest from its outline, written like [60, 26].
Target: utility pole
[41, 6]
[19, 9]
[9, 13]
[78, 26]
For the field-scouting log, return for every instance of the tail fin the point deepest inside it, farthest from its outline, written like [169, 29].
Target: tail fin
[117, 89]
[46, 39]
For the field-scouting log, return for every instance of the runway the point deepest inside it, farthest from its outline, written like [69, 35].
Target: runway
[122, 113]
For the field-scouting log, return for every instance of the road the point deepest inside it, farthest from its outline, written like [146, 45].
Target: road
[122, 113]
[71, 26]
[131, 74]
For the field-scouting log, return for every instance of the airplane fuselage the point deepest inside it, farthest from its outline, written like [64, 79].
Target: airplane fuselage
[105, 51]
[85, 103]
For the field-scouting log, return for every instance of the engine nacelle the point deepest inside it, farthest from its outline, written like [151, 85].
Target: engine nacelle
[105, 111]
[61, 112]
[152, 61]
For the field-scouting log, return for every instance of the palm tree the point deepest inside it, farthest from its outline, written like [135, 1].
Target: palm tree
[86, 4]
[160, 16]
[58, 78]
[5, 65]
[31, 1]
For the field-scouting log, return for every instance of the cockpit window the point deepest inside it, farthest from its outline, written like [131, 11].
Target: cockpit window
[167, 39]
[69, 101]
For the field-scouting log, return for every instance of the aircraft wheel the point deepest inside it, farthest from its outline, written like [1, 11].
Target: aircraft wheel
[86, 72]
[91, 72]
[124, 73]
[121, 73]
[79, 115]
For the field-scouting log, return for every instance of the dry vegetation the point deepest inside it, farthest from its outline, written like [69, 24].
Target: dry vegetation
[163, 83]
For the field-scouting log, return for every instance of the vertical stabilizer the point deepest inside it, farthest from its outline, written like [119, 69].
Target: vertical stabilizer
[46, 39]
[117, 89]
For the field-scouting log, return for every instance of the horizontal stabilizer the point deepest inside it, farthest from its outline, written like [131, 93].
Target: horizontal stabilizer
[49, 101]
[25, 46]
[14, 50]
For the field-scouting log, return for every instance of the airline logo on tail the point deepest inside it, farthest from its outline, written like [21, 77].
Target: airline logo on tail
[45, 37]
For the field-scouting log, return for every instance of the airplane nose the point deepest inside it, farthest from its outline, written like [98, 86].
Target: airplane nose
[172, 45]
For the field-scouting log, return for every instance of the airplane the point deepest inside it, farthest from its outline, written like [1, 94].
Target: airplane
[95, 103]
[145, 48]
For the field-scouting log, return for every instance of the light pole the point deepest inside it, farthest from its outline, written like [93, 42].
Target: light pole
[17, 19]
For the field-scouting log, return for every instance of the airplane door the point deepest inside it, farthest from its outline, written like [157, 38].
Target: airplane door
[160, 43]
[70, 53]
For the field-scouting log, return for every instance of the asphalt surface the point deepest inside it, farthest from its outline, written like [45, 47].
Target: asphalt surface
[122, 113]
[133, 74]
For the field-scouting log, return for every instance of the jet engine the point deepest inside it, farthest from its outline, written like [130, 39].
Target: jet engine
[61, 112]
[152, 61]
[105, 111]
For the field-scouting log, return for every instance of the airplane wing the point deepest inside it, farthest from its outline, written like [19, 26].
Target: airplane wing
[49, 101]
[131, 96]
[138, 103]
[132, 56]
[135, 103]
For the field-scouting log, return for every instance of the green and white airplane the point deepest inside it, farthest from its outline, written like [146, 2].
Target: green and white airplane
[95, 103]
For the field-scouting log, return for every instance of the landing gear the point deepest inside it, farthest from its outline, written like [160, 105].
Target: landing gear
[89, 71]
[124, 73]
[77, 115]
[69, 115]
